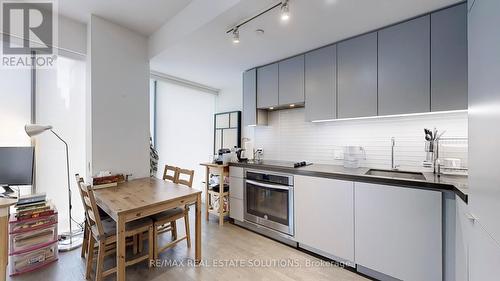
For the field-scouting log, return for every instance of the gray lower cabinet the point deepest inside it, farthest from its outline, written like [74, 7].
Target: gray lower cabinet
[236, 209]
[463, 227]
[404, 67]
[357, 76]
[236, 188]
[449, 59]
[324, 220]
[291, 81]
[321, 84]
[267, 86]
[398, 231]
[484, 253]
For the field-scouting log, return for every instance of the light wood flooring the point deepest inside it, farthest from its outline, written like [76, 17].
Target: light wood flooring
[223, 248]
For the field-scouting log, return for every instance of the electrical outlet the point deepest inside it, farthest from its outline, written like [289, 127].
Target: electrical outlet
[338, 154]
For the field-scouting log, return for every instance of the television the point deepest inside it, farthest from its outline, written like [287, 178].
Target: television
[16, 166]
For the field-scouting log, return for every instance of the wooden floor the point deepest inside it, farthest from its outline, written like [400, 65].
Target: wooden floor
[223, 248]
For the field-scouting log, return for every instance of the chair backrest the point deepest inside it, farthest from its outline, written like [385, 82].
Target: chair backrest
[79, 180]
[90, 205]
[185, 172]
[170, 173]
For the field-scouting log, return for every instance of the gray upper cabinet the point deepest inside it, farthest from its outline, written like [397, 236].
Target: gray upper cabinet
[267, 86]
[291, 81]
[415, 66]
[449, 59]
[404, 67]
[357, 76]
[250, 97]
[321, 84]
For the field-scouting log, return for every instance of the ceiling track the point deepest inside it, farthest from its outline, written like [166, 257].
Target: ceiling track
[255, 16]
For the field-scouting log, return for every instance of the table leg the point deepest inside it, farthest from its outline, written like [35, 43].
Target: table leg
[197, 246]
[207, 196]
[120, 249]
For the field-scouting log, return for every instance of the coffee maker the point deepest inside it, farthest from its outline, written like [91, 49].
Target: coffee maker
[223, 156]
[240, 154]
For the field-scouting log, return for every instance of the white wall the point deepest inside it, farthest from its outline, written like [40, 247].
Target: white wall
[72, 36]
[288, 137]
[230, 99]
[15, 109]
[60, 103]
[184, 128]
[119, 99]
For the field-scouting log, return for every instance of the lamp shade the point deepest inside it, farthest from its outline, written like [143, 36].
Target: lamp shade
[34, 129]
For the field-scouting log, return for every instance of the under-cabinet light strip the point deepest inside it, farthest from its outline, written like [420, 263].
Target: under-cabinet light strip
[389, 116]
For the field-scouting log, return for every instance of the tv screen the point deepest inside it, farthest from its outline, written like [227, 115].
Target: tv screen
[16, 165]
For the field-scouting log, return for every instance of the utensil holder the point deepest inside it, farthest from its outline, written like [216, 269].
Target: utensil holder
[429, 146]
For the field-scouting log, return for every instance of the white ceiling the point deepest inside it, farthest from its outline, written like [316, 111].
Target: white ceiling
[209, 57]
[143, 16]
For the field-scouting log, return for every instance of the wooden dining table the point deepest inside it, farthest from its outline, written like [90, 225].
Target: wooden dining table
[144, 197]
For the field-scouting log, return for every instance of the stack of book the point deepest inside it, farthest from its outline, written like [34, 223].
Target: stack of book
[33, 234]
[107, 181]
[33, 206]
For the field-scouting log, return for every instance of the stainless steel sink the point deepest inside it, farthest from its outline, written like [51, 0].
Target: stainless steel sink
[396, 174]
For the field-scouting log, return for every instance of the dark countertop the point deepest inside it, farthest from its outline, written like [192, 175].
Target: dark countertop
[456, 184]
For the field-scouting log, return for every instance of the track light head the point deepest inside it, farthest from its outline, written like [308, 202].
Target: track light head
[236, 36]
[285, 10]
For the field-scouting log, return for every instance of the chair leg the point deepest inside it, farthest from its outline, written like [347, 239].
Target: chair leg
[140, 242]
[85, 240]
[90, 256]
[151, 246]
[188, 233]
[134, 244]
[100, 260]
[173, 225]
[156, 242]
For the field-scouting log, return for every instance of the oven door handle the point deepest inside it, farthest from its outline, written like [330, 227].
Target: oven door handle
[273, 186]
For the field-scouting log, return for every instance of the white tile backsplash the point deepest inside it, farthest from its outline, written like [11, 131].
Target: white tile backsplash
[288, 137]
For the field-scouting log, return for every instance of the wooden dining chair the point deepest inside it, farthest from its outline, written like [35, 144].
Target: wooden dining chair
[103, 232]
[170, 173]
[180, 177]
[169, 217]
[86, 227]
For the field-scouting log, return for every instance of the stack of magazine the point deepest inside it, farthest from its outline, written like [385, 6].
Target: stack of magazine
[33, 206]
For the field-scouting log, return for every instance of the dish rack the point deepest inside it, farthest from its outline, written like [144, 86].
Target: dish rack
[33, 243]
[456, 148]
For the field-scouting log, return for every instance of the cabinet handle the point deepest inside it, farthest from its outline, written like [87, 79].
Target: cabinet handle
[471, 217]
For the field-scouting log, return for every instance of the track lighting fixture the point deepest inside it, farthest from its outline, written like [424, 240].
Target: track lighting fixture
[236, 36]
[285, 15]
[285, 10]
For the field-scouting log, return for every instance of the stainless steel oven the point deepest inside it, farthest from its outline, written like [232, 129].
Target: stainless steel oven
[268, 200]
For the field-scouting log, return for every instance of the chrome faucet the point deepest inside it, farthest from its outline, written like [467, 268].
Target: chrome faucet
[393, 162]
[257, 154]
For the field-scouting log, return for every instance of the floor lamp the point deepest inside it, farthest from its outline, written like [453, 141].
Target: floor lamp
[69, 242]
